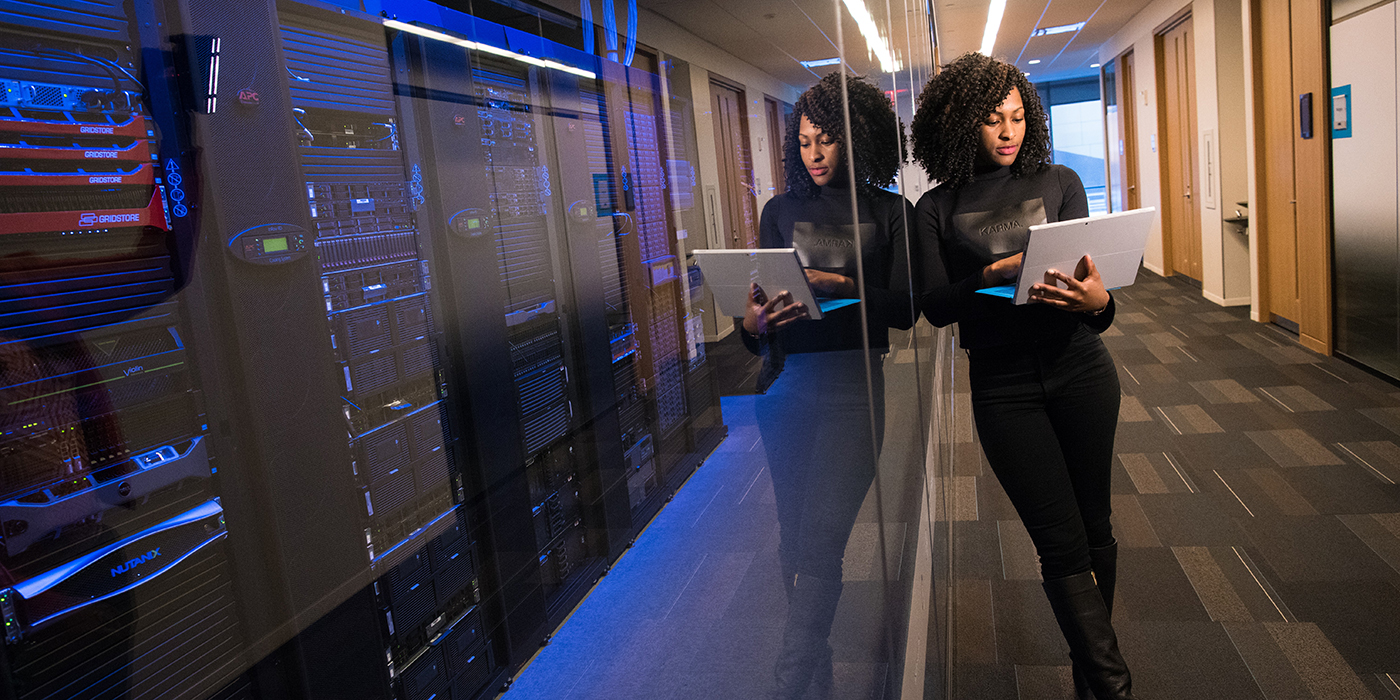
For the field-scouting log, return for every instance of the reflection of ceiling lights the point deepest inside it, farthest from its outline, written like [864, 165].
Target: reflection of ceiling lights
[1062, 29]
[821, 62]
[1033, 61]
[989, 35]
[1093, 65]
[486, 48]
[874, 43]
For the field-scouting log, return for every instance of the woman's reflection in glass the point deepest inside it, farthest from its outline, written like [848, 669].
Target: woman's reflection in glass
[816, 416]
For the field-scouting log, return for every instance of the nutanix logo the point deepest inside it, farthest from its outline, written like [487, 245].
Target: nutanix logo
[128, 566]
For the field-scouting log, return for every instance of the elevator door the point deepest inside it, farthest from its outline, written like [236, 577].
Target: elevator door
[738, 221]
[1180, 168]
[1366, 197]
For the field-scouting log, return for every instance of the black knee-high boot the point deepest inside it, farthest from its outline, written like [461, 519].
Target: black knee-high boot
[1093, 645]
[1104, 561]
[805, 659]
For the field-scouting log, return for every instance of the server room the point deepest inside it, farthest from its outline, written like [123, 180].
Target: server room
[643, 349]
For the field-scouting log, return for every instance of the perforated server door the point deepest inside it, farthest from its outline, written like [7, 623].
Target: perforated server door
[112, 532]
[657, 282]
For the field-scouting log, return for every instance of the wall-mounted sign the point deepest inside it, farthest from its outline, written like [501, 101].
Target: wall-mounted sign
[1341, 112]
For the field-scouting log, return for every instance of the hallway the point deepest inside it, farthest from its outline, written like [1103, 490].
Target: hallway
[1255, 501]
[1257, 509]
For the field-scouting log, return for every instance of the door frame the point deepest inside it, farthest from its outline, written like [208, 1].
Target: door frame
[1127, 108]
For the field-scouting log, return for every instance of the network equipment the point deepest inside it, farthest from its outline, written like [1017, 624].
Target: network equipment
[272, 379]
[111, 530]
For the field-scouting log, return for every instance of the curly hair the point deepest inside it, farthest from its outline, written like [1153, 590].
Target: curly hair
[877, 133]
[952, 107]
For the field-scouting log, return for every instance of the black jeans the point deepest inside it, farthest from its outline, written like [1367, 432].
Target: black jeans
[1046, 416]
[815, 423]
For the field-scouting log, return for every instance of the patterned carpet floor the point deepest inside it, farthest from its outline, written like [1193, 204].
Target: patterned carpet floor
[1256, 504]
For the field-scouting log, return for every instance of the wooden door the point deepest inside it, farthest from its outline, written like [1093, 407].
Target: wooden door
[1276, 219]
[1127, 115]
[739, 222]
[1176, 104]
[777, 113]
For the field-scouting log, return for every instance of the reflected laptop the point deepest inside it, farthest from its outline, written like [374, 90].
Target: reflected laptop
[1115, 241]
[728, 274]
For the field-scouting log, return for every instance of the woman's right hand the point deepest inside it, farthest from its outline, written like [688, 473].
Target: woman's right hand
[764, 314]
[1002, 270]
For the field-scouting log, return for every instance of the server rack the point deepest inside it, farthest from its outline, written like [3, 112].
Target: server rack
[375, 238]
[684, 423]
[112, 531]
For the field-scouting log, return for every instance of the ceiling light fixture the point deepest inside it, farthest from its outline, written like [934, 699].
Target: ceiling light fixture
[1033, 61]
[874, 43]
[1094, 65]
[486, 48]
[821, 62]
[989, 35]
[1062, 29]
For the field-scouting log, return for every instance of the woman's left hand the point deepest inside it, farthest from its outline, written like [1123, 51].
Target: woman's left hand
[830, 284]
[1083, 293]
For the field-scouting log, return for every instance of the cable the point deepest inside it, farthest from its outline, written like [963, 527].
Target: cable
[116, 80]
[296, 111]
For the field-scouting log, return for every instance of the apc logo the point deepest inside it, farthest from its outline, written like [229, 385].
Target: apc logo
[136, 562]
[87, 219]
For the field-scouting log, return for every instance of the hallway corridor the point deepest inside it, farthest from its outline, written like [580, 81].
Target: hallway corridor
[1255, 501]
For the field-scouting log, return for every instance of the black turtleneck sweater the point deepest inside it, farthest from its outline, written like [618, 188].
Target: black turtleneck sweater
[821, 231]
[965, 229]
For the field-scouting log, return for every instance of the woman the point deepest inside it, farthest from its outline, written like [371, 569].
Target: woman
[815, 419]
[1045, 391]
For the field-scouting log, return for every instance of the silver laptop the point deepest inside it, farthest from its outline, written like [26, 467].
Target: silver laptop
[1115, 241]
[728, 274]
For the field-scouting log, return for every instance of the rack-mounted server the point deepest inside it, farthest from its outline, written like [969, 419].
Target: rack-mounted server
[320, 329]
[116, 579]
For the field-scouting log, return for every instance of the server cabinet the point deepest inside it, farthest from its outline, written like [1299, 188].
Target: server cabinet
[112, 530]
[340, 356]
[333, 231]
[678, 423]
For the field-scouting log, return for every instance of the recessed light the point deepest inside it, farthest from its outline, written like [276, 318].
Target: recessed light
[821, 62]
[1033, 61]
[1062, 29]
[1095, 65]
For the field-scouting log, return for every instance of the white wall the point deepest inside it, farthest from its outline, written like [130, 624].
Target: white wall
[1224, 269]
[1234, 184]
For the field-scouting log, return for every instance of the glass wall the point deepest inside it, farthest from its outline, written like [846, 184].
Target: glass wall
[384, 349]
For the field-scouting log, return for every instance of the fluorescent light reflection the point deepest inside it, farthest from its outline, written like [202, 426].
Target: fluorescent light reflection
[821, 62]
[874, 43]
[1062, 29]
[486, 48]
[989, 35]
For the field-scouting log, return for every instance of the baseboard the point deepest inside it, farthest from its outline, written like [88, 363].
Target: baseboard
[1223, 301]
[1160, 272]
[724, 332]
